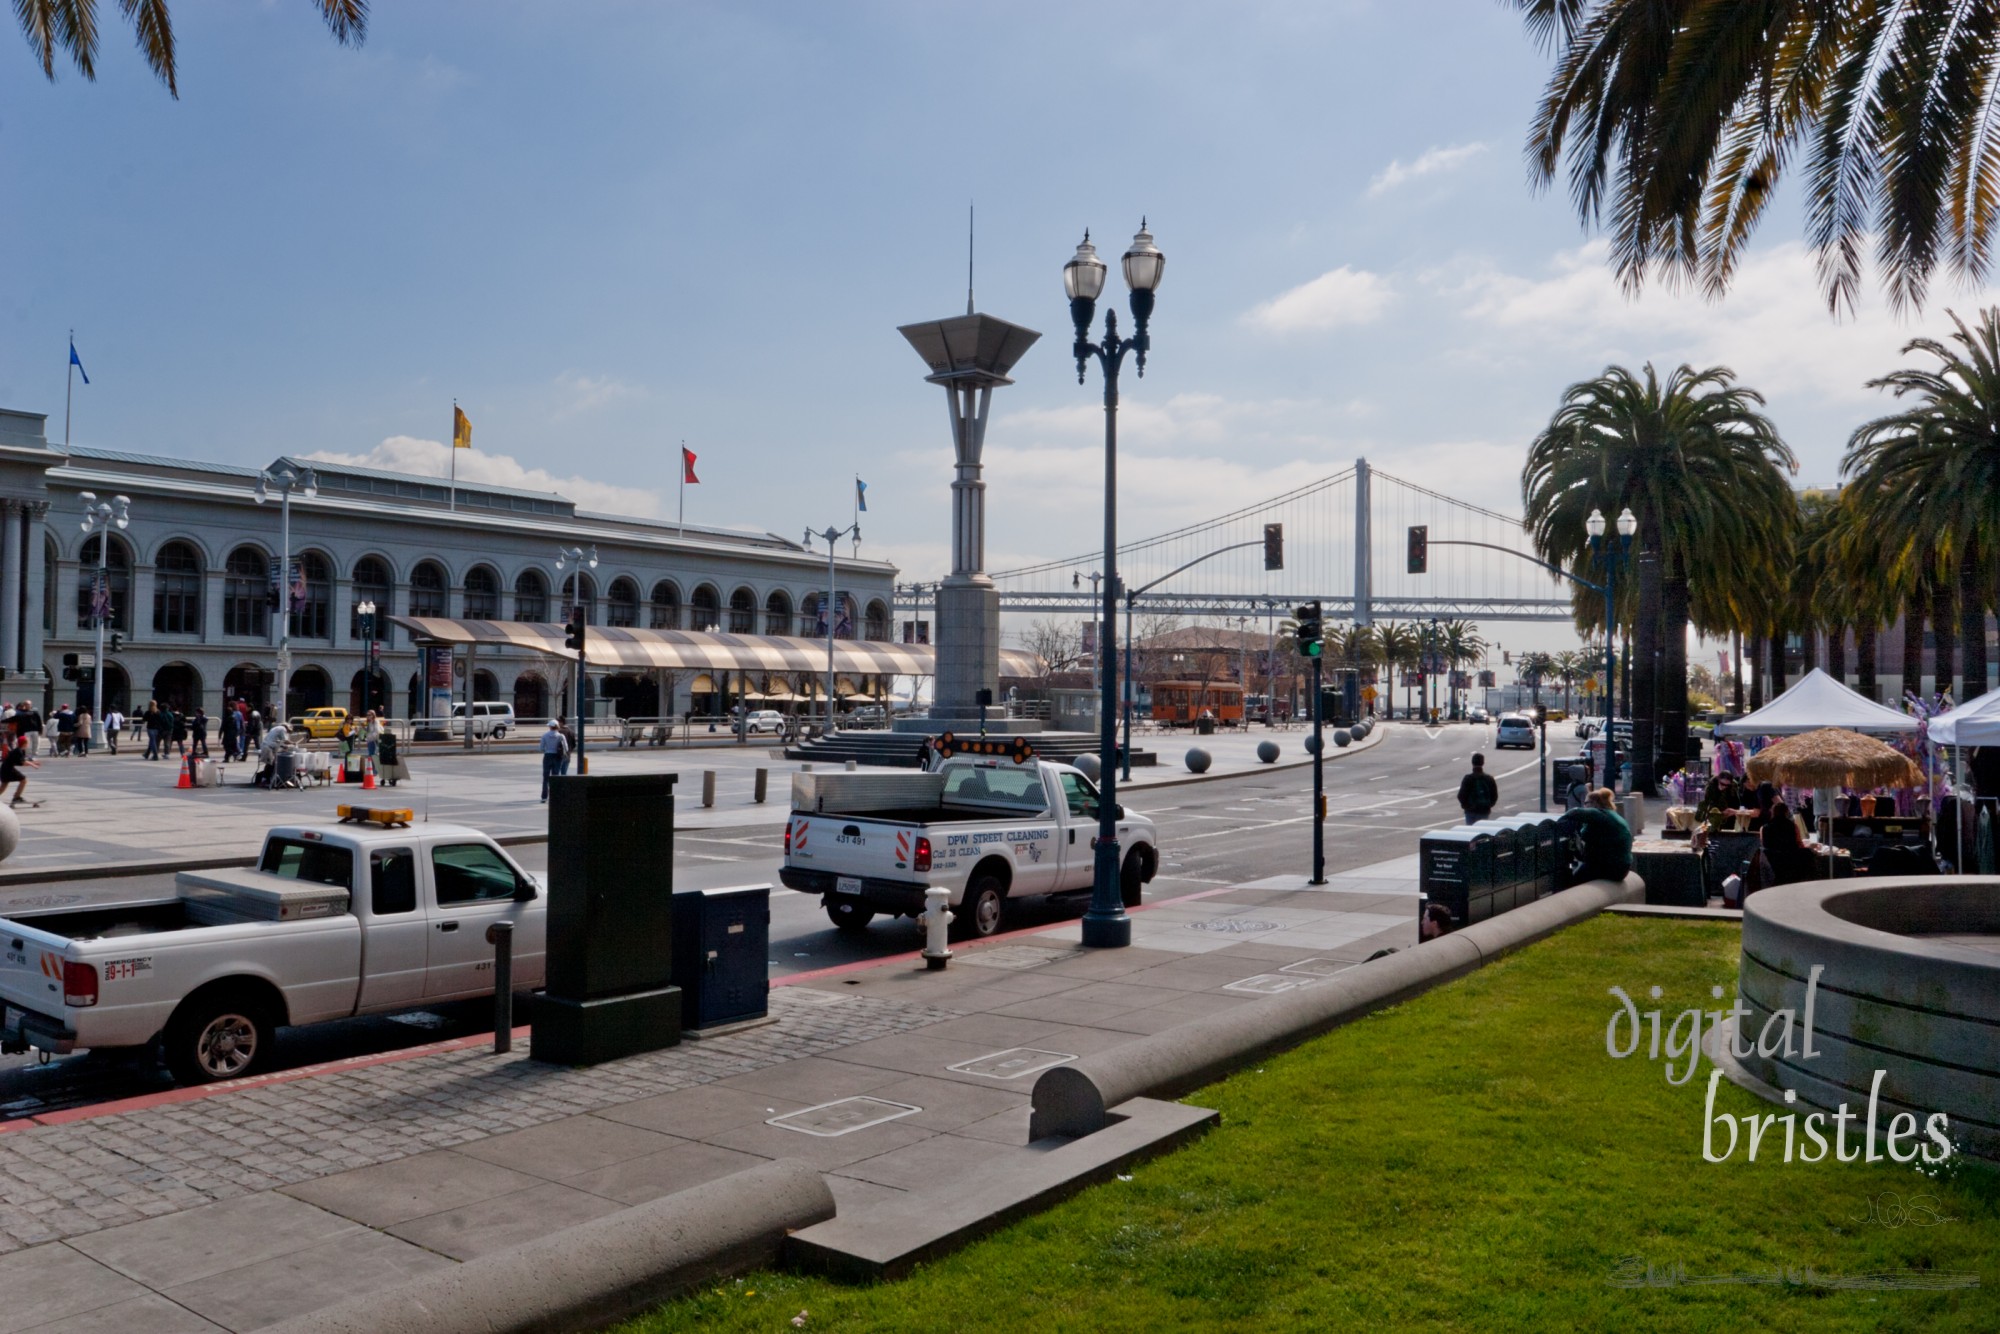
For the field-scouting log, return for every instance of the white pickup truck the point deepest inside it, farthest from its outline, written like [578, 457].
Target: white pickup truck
[986, 829]
[335, 920]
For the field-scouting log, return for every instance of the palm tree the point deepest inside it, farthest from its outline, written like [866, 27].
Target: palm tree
[1461, 643]
[1704, 472]
[71, 25]
[1399, 650]
[1677, 119]
[1930, 475]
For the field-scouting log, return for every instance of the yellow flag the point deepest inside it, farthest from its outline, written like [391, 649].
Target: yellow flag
[461, 428]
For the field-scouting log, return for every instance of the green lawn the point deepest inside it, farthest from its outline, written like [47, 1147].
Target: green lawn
[1471, 1160]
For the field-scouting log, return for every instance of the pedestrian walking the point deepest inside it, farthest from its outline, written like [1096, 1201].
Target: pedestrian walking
[81, 742]
[253, 732]
[114, 723]
[230, 731]
[13, 765]
[174, 729]
[555, 754]
[371, 735]
[243, 738]
[1478, 794]
[152, 722]
[198, 731]
[569, 741]
[28, 723]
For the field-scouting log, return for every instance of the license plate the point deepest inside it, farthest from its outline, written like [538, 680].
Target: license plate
[847, 884]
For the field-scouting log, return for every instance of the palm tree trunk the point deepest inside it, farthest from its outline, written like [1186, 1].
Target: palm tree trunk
[1868, 651]
[1972, 622]
[1646, 657]
[1673, 684]
[1913, 643]
[1777, 647]
[1943, 639]
[1811, 655]
[1755, 661]
[1736, 671]
[1836, 653]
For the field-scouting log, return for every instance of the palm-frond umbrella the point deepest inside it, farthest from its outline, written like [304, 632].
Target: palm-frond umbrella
[1831, 758]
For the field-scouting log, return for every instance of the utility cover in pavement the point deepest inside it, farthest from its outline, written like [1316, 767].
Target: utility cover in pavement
[830, 1120]
[1013, 1063]
[1271, 984]
[1008, 956]
[1233, 925]
[1316, 967]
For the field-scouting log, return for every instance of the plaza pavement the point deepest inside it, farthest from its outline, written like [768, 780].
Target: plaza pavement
[105, 813]
[240, 1205]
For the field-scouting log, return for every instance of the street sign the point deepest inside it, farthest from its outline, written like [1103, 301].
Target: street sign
[86, 659]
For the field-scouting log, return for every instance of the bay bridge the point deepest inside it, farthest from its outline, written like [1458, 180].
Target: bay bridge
[1344, 541]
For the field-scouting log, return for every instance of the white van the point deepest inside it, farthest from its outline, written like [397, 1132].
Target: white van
[489, 719]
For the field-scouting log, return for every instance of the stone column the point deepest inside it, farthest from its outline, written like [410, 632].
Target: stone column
[32, 634]
[10, 587]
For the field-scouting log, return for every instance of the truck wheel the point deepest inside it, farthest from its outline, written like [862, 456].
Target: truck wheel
[223, 1036]
[978, 913]
[1132, 879]
[849, 916]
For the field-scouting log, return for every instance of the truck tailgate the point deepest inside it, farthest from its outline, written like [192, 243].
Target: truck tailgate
[31, 967]
[853, 848]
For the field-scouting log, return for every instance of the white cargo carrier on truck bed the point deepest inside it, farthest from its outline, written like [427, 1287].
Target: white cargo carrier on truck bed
[336, 920]
[986, 829]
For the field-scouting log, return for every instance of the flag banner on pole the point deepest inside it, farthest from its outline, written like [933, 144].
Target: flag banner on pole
[687, 467]
[100, 598]
[1722, 656]
[77, 362]
[861, 495]
[298, 586]
[461, 428]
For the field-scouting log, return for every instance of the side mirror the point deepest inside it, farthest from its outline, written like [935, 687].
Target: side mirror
[524, 889]
[1118, 812]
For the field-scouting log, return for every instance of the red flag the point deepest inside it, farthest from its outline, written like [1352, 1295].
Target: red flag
[687, 467]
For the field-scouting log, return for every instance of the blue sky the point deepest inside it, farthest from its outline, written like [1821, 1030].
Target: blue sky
[608, 227]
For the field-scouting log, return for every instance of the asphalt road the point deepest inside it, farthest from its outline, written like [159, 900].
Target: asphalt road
[1211, 834]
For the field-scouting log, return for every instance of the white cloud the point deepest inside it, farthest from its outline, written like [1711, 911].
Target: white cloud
[1432, 162]
[585, 393]
[1772, 328]
[1343, 296]
[432, 458]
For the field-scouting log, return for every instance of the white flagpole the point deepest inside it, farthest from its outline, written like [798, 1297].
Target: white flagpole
[684, 489]
[69, 387]
[454, 501]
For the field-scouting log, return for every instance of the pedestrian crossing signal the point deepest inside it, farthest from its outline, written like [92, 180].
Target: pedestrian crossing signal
[574, 630]
[1420, 548]
[1274, 546]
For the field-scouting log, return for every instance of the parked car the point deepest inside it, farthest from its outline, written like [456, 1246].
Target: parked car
[761, 721]
[321, 723]
[489, 719]
[1515, 730]
[867, 715]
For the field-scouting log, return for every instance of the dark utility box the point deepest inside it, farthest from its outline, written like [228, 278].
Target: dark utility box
[721, 959]
[1456, 869]
[611, 884]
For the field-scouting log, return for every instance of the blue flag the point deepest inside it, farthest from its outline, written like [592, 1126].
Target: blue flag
[77, 362]
[860, 494]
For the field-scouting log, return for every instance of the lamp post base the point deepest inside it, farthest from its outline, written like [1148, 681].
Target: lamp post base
[1110, 932]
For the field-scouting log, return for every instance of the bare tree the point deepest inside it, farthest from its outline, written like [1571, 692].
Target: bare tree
[1059, 645]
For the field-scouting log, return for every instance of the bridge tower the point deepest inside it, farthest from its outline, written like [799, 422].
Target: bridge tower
[1364, 573]
[970, 356]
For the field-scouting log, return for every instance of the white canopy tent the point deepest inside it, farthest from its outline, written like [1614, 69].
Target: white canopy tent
[1974, 723]
[1820, 701]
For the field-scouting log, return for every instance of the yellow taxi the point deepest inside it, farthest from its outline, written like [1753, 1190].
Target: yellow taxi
[322, 723]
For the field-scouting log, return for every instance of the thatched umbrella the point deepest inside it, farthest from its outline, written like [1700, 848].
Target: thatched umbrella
[1834, 757]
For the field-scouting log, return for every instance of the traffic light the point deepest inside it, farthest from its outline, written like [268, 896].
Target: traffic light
[574, 629]
[1308, 620]
[1420, 548]
[1274, 546]
[71, 672]
[117, 641]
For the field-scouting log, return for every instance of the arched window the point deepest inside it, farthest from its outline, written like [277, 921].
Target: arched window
[666, 606]
[372, 583]
[778, 614]
[706, 612]
[482, 595]
[742, 612]
[878, 621]
[177, 590]
[531, 597]
[246, 593]
[118, 574]
[430, 590]
[815, 620]
[312, 597]
[575, 586]
[622, 605]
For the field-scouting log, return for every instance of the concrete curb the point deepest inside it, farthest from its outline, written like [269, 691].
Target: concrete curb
[591, 1275]
[1074, 1099]
[1373, 739]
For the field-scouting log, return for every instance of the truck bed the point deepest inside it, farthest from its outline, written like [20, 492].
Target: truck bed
[929, 815]
[109, 920]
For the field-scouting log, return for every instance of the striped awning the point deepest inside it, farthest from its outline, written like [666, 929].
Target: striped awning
[702, 650]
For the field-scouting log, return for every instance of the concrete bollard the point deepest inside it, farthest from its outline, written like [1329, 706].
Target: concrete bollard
[500, 935]
[1267, 751]
[1198, 760]
[1087, 765]
[852, 766]
[937, 916]
[763, 785]
[708, 787]
[1341, 736]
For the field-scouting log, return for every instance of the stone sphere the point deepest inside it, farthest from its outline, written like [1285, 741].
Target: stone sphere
[1267, 751]
[1342, 736]
[1087, 766]
[10, 833]
[1362, 729]
[1312, 744]
[1198, 761]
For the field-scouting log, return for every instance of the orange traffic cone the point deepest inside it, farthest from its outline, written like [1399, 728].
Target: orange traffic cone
[187, 773]
[367, 775]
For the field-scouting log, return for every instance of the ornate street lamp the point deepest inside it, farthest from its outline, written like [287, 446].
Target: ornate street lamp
[288, 478]
[100, 517]
[1610, 553]
[1105, 924]
[580, 614]
[365, 609]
